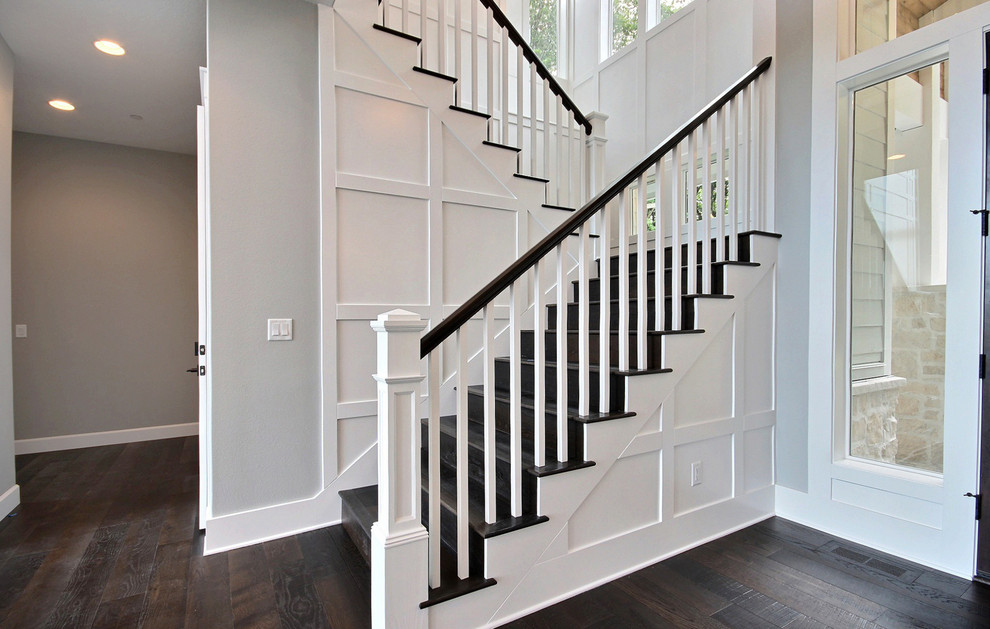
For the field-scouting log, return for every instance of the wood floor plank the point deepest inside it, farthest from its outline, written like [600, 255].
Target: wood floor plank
[252, 596]
[81, 598]
[121, 613]
[165, 604]
[208, 593]
[132, 571]
[780, 587]
[296, 598]
[15, 574]
[919, 611]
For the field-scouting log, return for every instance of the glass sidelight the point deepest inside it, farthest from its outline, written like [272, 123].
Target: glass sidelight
[897, 270]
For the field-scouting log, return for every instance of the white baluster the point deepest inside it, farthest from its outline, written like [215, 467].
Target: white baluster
[692, 216]
[756, 204]
[405, 16]
[504, 85]
[539, 370]
[533, 81]
[461, 470]
[559, 145]
[546, 129]
[706, 208]
[433, 480]
[491, 499]
[604, 316]
[474, 55]
[584, 306]
[746, 199]
[624, 323]
[720, 187]
[520, 94]
[658, 246]
[399, 542]
[490, 59]
[732, 119]
[458, 66]
[677, 192]
[569, 164]
[422, 33]
[441, 36]
[516, 299]
[641, 276]
[561, 338]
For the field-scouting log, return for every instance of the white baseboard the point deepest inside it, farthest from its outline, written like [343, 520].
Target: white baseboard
[245, 528]
[9, 500]
[107, 438]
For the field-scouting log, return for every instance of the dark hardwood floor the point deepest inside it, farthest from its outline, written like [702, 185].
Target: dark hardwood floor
[106, 537]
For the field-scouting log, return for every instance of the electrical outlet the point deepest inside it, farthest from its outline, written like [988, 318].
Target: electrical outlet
[20, 331]
[696, 473]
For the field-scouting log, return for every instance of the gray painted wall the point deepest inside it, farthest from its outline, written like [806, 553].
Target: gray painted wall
[104, 277]
[793, 215]
[6, 380]
[265, 230]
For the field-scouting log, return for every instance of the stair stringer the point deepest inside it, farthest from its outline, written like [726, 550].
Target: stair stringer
[538, 566]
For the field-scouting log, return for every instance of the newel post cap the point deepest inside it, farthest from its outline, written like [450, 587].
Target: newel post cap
[597, 120]
[398, 320]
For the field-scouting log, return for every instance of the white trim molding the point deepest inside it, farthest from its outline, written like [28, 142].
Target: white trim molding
[245, 528]
[9, 500]
[106, 438]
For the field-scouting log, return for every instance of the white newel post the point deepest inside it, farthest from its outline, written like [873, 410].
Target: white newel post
[595, 146]
[596, 153]
[399, 542]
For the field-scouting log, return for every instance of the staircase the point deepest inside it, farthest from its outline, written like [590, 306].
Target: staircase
[361, 505]
[517, 481]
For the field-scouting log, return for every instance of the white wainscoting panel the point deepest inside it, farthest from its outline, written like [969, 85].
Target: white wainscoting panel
[629, 493]
[706, 392]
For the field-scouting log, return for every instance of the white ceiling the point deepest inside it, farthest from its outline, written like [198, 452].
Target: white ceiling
[157, 79]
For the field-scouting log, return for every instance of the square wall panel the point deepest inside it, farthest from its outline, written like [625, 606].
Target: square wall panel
[382, 249]
[478, 244]
[382, 138]
[715, 457]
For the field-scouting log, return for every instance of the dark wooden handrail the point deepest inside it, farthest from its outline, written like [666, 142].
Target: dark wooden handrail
[541, 69]
[432, 339]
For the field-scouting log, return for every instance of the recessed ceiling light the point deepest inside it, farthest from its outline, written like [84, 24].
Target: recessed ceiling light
[64, 105]
[109, 47]
[898, 156]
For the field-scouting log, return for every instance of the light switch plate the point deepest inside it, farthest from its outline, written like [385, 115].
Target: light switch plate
[280, 329]
[20, 331]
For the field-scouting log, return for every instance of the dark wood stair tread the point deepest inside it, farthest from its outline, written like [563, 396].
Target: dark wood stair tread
[450, 586]
[465, 110]
[501, 146]
[392, 31]
[476, 507]
[558, 207]
[572, 413]
[593, 368]
[434, 73]
[531, 177]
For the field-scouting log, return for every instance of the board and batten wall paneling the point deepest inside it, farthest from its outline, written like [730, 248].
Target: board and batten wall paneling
[104, 277]
[263, 58]
[7, 472]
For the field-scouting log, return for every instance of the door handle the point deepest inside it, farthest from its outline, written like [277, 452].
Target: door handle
[193, 370]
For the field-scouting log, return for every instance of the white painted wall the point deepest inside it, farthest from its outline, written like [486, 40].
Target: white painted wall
[667, 74]
[104, 277]
[265, 231]
[9, 494]
[793, 215]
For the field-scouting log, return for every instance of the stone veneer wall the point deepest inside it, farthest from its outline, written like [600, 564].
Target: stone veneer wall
[874, 421]
[918, 355]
